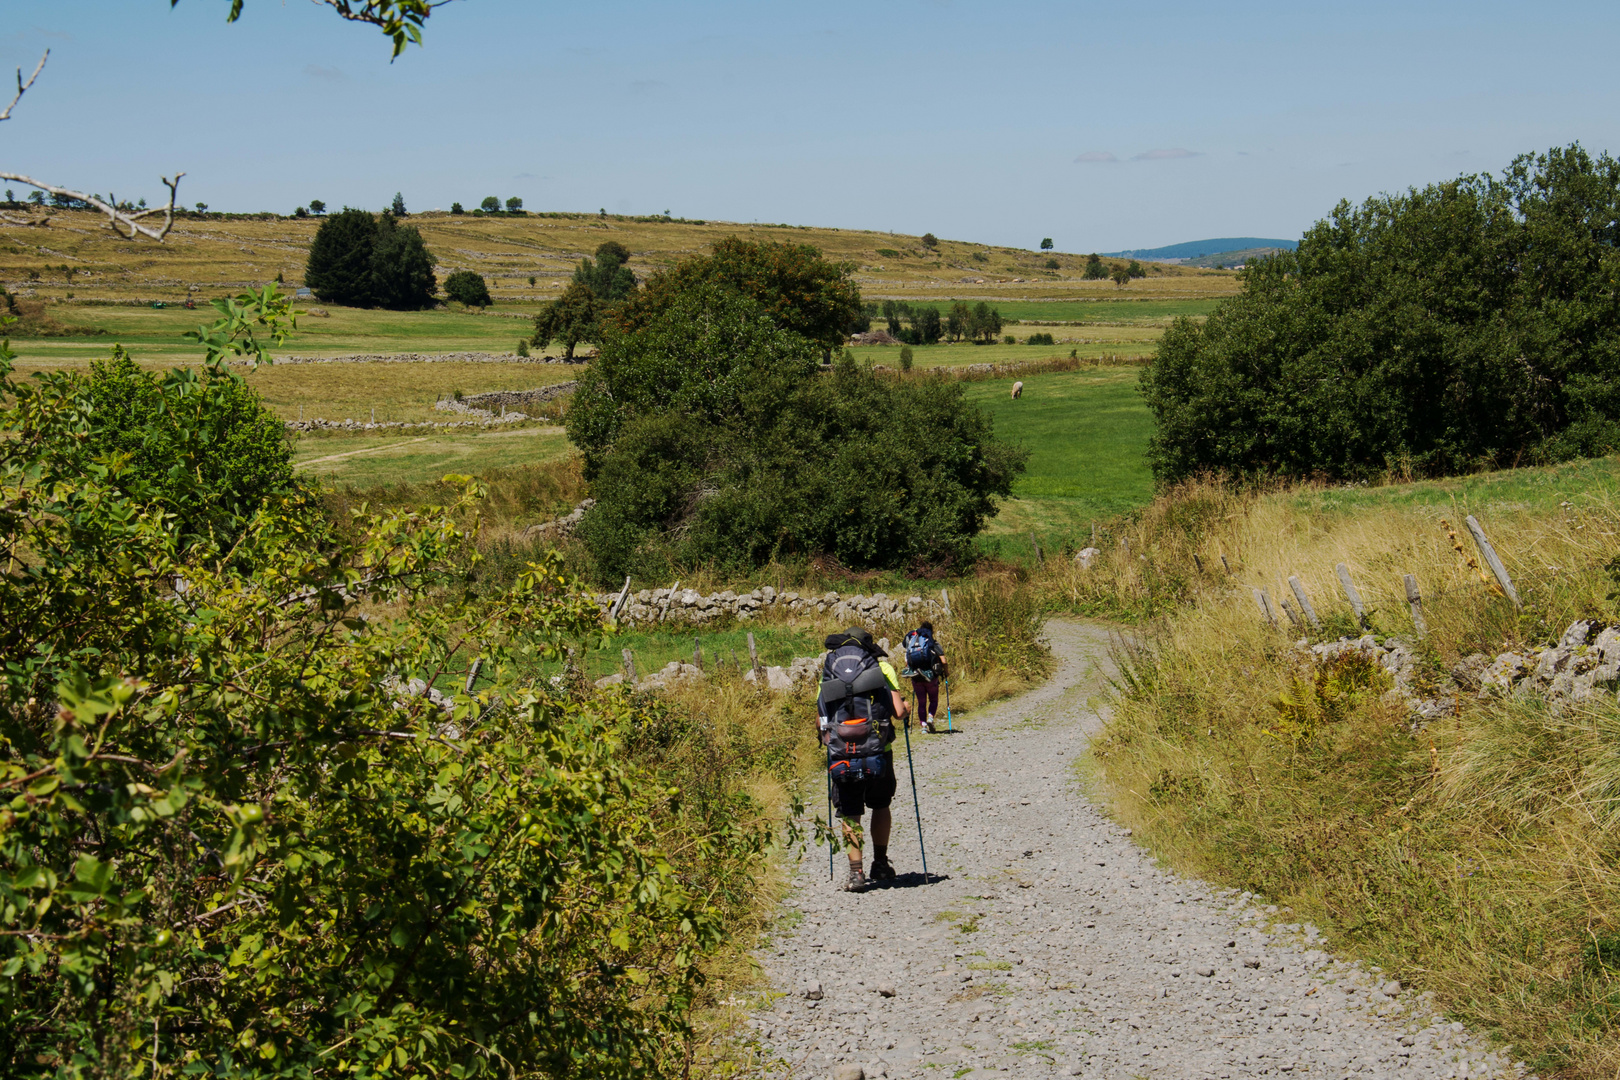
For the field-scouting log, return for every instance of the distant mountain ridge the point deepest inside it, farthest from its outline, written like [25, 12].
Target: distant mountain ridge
[1194, 249]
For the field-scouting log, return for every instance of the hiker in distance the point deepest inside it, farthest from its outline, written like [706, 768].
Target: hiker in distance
[925, 663]
[858, 705]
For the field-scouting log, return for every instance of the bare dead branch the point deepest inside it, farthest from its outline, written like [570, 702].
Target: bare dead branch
[130, 220]
[22, 87]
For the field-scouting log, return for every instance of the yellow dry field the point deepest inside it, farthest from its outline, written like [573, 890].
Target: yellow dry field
[209, 257]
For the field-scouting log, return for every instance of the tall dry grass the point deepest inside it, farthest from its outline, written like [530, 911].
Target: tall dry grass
[1475, 856]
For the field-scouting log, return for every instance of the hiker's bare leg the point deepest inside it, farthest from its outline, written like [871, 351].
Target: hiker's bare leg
[881, 820]
[852, 836]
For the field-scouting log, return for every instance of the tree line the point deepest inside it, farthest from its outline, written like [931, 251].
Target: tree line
[1471, 323]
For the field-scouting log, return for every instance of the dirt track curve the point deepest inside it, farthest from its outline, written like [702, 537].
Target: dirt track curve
[1050, 944]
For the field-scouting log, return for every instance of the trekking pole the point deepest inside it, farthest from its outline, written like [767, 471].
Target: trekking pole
[832, 842]
[949, 727]
[915, 808]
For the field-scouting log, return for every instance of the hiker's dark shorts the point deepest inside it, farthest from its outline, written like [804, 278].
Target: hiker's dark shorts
[875, 793]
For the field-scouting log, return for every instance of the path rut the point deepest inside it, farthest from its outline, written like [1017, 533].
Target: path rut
[1050, 944]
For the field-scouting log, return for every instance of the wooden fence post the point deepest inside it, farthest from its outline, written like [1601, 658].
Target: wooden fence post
[1226, 564]
[1304, 602]
[472, 675]
[664, 614]
[753, 654]
[618, 604]
[1495, 564]
[945, 597]
[1036, 544]
[1416, 600]
[1355, 597]
[1263, 602]
[1198, 562]
[629, 665]
[1293, 616]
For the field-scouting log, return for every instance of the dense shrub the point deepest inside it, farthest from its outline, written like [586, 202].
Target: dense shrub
[237, 840]
[1041, 339]
[366, 260]
[201, 447]
[1472, 322]
[710, 438]
[468, 287]
[800, 290]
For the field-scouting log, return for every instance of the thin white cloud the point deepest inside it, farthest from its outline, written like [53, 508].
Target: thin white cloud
[315, 71]
[1168, 154]
[1096, 155]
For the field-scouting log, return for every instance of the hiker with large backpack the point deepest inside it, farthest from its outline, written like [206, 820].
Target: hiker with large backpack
[858, 705]
[925, 663]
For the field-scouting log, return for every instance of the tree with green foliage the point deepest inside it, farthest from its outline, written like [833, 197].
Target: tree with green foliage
[1470, 323]
[363, 260]
[929, 240]
[711, 439]
[1135, 270]
[983, 323]
[317, 207]
[907, 358]
[1121, 277]
[514, 204]
[957, 320]
[455, 208]
[573, 318]
[468, 287]
[490, 205]
[607, 276]
[1046, 244]
[397, 208]
[804, 292]
[1095, 270]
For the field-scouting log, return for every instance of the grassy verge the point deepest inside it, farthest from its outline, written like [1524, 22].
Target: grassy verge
[1475, 855]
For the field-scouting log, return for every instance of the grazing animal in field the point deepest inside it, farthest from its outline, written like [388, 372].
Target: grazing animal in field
[1018, 390]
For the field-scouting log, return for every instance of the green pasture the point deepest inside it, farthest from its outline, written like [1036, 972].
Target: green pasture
[1086, 432]
[367, 461]
[1583, 485]
[157, 335]
[1088, 345]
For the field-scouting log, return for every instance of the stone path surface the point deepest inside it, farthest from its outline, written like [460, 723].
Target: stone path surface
[1049, 944]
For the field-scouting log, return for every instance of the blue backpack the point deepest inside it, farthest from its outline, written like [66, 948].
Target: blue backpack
[921, 651]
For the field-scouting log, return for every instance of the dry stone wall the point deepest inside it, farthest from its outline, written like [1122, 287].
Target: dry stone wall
[690, 606]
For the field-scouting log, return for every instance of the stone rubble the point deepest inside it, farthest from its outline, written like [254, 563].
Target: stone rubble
[1584, 665]
[1051, 945]
[490, 404]
[557, 528]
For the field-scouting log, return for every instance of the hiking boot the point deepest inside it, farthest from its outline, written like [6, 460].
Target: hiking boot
[856, 881]
[882, 870]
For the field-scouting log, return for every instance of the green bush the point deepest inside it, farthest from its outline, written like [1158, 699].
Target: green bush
[906, 358]
[803, 292]
[1095, 270]
[1052, 264]
[468, 287]
[198, 447]
[710, 439]
[1040, 339]
[239, 840]
[1470, 323]
[366, 260]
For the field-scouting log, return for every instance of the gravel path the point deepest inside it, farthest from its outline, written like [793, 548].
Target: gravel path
[1054, 946]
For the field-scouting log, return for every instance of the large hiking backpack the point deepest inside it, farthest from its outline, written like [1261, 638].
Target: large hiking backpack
[921, 651]
[854, 701]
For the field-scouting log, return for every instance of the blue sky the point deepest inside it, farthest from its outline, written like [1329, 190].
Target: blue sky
[1104, 126]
